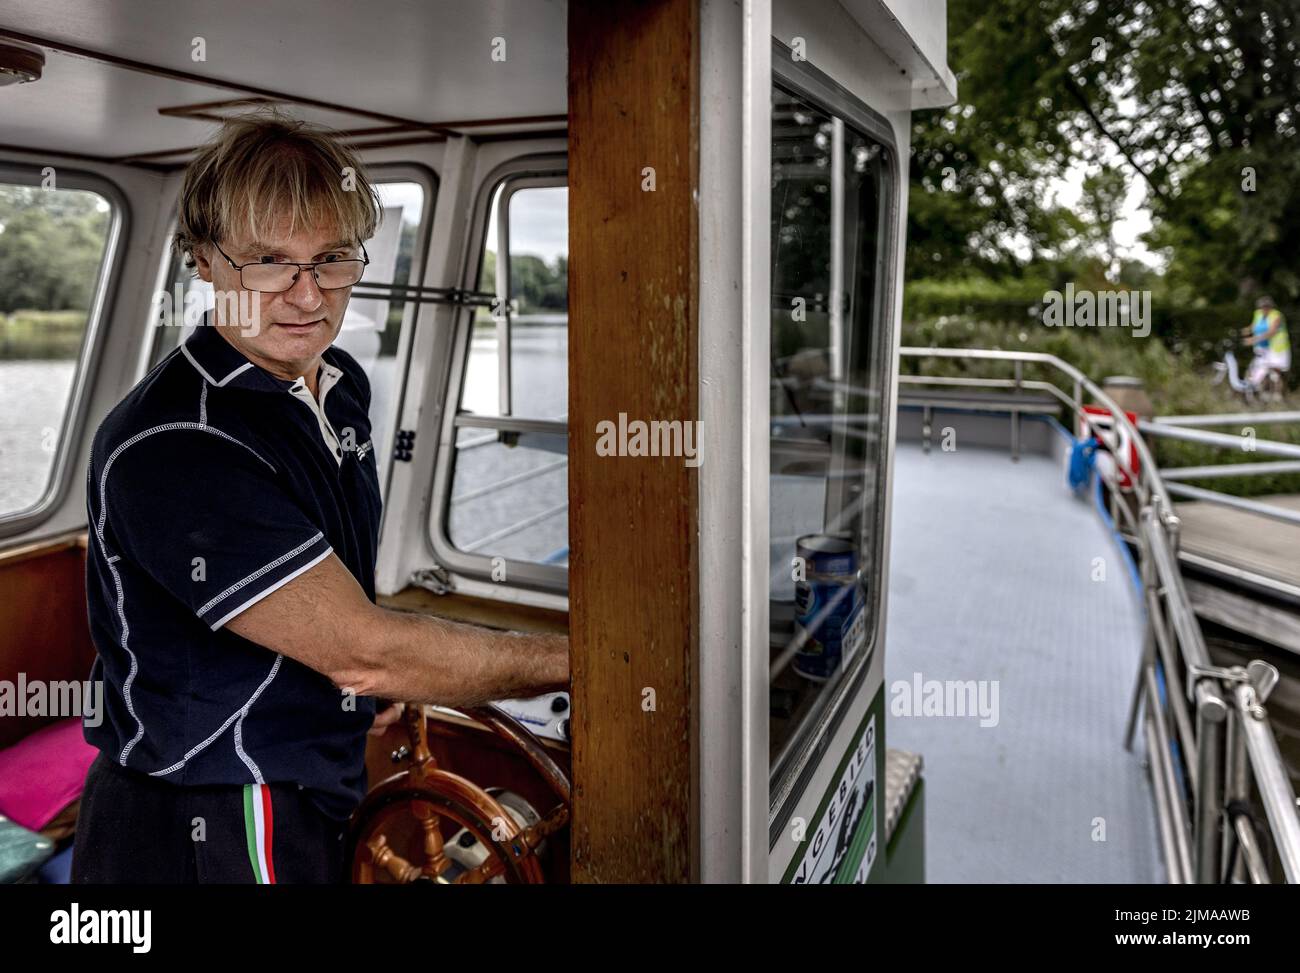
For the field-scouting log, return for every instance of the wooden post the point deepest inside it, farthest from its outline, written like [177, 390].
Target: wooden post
[633, 350]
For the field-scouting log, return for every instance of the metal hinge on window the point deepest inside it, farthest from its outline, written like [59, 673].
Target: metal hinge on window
[403, 444]
[435, 579]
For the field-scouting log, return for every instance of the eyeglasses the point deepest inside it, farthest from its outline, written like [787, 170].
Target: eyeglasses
[271, 278]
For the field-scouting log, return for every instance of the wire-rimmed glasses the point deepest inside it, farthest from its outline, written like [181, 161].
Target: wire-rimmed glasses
[273, 277]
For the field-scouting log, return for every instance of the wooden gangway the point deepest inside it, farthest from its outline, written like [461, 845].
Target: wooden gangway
[1243, 570]
[1241, 557]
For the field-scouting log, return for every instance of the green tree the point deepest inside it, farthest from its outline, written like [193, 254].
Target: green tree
[51, 247]
[1193, 97]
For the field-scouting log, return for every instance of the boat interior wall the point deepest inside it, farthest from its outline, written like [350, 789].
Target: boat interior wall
[449, 62]
[43, 632]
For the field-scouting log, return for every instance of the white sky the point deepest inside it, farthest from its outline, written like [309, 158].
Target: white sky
[1134, 220]
[539, 222]
[408, 195]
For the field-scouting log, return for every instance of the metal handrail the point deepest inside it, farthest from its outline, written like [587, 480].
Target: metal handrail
[1215, 753]
[1268, 510]
[1270, 778]
[1232, 419]
[1229, 469]
[1264, 447]
[1154, 487]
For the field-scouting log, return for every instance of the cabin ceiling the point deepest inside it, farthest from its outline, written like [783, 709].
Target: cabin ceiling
[416, 60]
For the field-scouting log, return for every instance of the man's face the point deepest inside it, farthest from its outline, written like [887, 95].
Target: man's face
[294, 326]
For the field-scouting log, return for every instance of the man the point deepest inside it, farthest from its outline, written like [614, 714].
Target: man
[1272, 343]
[233, 500]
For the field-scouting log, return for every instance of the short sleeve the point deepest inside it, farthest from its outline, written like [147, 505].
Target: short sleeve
[207, 518]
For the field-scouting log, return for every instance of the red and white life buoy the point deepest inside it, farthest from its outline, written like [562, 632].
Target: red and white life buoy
[1116, 440]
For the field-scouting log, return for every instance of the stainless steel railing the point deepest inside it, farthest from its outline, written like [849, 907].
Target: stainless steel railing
[1210, 729]
[1182, 428]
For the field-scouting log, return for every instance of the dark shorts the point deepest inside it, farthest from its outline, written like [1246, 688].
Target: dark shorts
[133, 828]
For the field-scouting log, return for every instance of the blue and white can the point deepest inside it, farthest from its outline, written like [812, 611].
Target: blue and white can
[828, 603]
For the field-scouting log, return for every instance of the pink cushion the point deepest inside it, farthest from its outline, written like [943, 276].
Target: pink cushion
[43, 773]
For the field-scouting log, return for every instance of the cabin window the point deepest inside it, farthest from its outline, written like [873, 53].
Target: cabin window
[829, 249]
[508, 494]
[373, 325]
[54, 245]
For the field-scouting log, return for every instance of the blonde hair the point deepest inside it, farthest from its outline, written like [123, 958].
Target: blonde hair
[263, 168]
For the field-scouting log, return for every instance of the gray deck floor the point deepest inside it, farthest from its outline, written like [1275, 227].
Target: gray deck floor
[991, 579]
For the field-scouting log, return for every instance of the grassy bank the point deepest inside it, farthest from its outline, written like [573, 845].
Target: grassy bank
[1177, 383]
[41, 334]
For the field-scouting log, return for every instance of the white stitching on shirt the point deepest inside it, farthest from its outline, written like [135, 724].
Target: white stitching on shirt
[203, 404]
[117, 580]
[239, 726]
[166, 427]
[130, 677]
[240, 609]
[202, 371]
[259, 572]
[238, 714]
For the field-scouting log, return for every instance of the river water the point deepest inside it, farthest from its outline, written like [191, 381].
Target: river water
[33, 395]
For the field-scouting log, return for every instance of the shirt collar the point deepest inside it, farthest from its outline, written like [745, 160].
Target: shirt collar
[327, 377]
[222, 364]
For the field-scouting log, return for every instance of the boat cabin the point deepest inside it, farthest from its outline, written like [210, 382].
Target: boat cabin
[631, 323]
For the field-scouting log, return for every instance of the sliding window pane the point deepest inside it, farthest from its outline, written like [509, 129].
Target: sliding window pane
[828, 370]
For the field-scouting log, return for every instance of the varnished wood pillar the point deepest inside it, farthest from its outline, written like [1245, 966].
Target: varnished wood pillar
[634, 350]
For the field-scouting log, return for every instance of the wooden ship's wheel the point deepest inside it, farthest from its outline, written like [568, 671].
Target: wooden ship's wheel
[426, 824]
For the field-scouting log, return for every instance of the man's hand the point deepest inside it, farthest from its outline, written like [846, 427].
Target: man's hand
[386, 719]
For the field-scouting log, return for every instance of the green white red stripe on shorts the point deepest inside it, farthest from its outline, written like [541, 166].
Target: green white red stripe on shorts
[257, 829]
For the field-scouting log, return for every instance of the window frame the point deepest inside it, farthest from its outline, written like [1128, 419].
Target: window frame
[525, 172]
[509, 186]
[794, 767]
[108, 277]
[430, 184]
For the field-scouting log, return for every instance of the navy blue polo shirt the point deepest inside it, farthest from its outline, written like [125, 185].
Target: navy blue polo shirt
[210, 485]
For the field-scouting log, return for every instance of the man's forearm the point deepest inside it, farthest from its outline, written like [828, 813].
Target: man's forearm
[420, 659]
[323, 619]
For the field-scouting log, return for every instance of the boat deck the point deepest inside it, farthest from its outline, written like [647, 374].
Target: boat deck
[992, 580]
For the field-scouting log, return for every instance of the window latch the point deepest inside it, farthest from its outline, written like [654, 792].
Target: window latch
[435, 579]
[403, 444]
